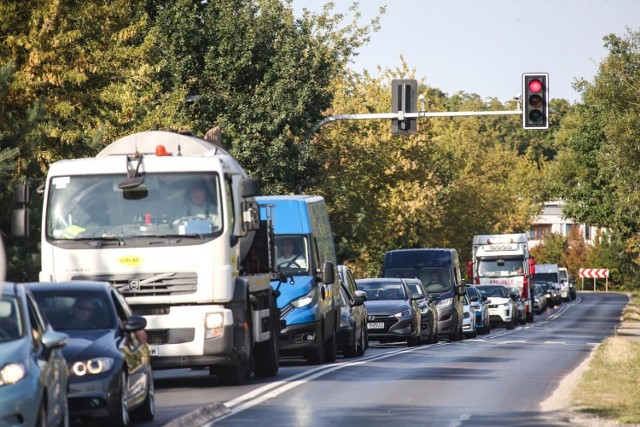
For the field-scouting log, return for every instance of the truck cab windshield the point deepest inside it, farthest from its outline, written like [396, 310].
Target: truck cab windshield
[501, 267]
[166, 204]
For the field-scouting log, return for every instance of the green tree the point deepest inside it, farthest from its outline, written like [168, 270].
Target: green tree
[259, 73]
[600, 184]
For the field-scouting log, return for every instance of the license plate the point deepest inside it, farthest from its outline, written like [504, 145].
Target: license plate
[154, 350]
[375, 325]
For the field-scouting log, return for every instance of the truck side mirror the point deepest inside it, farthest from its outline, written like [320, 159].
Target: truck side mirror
[328, 272]
[249, 187]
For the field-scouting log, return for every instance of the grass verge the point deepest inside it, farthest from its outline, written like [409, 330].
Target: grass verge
[610, 387]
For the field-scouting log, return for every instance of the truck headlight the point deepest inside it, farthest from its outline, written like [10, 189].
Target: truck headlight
[213, 320]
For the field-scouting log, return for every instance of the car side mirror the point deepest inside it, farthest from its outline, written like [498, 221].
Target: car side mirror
[360, 294]
[461, 289]
[514, 297]
[357, 301]
[135, 323]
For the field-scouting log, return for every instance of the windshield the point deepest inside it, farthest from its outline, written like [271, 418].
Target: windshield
[93, 207]
[383, 290]
[293, 253]
[501, 267]
[546, 277]
[67, 310]
[493, 291]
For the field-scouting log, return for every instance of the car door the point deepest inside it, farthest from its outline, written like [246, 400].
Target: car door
[52, 364]
[134, 347]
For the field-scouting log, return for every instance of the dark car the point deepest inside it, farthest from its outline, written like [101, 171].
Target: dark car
[393, 312]
[428, 311]
[353, 339]
[551, 293]
[107, 353]
[539, 299]
[33, 372]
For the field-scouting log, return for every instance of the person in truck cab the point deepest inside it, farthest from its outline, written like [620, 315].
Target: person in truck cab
[289, 257]
[198, 205]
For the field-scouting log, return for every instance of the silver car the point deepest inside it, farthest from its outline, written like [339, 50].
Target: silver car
[33, 371]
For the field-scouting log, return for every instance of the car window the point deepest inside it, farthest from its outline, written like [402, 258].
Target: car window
[122, 308]
[37, 322]
[10, 320]
[75, 310]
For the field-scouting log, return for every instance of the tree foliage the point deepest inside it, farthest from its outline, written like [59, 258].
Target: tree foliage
[598, 176]
[437, 188]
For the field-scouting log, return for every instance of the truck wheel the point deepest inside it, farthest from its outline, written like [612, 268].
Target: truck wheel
[268, 353]
[233, 374]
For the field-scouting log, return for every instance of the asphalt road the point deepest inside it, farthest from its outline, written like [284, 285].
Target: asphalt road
[498, 379]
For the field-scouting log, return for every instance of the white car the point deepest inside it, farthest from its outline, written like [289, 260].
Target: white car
[502, 308]
[469, 318]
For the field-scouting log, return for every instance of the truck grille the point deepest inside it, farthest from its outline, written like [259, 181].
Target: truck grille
[149, 284]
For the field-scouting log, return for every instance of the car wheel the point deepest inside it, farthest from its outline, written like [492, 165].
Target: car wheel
[456, 333]
[331, 349]
[120, 418]
[512, 324]
[315, 356]
[41, 421]
[485, 326]
[146, 411]
[363, 342]
[64, 421]
[351, 349]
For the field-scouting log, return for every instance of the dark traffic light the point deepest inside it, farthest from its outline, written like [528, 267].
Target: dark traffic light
[404, 97]
[535, 101]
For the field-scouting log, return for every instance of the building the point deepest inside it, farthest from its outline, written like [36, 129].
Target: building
[553, 221]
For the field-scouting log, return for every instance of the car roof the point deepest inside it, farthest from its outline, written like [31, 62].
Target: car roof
[12, 289]
[381, 279]
[75, 285]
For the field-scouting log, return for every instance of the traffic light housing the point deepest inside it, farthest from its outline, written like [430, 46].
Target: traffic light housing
[535, 101]
[404, 97]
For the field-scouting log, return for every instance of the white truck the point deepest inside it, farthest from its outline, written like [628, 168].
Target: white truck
[201, 281]
[504, 259]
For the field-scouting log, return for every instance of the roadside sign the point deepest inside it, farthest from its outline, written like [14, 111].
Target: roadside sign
[595, 273]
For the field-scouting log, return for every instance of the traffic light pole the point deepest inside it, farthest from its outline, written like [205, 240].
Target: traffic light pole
[400, 115]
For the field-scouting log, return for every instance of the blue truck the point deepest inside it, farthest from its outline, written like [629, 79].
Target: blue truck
[308, 287]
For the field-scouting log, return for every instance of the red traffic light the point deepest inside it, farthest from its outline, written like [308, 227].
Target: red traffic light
[535, 86]
[535, 101]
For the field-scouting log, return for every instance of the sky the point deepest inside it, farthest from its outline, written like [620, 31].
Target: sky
[484, 46]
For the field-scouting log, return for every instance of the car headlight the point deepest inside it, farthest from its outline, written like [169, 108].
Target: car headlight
[443, 302]
[11, 373]
[305, 300]
[405, 313]
[94, 366]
